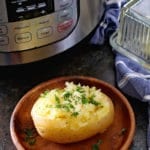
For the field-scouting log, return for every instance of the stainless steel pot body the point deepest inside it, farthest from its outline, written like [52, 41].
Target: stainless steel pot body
[38, 38]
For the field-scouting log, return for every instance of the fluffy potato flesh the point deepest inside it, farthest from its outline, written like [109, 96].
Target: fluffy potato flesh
[72, 114]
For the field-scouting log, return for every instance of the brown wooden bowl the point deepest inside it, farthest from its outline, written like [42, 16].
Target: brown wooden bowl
[117, 137]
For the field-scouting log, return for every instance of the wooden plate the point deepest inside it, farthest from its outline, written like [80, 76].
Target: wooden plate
[117, 137]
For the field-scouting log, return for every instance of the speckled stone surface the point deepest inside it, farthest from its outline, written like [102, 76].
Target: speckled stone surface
[84, 59]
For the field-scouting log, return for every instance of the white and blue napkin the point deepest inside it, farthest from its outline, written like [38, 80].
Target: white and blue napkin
[131, 77]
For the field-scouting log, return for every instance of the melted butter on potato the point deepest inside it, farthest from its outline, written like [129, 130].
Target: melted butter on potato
[72, 114]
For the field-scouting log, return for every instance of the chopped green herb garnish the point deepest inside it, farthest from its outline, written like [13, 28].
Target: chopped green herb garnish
[84, 100]
[29, 132]
[92, 101]
[30, 141]
[75, 114]
[57, 99]
[67, 95]
[80, 89]
[66, 107]
[96, 146]
[58, 106]
[71, 106]
[30, 135]
[44, 93]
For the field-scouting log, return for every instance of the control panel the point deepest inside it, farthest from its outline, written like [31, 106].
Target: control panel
[28, 24]
[27, 9]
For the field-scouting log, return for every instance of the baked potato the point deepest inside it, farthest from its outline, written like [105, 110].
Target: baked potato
[72, 114]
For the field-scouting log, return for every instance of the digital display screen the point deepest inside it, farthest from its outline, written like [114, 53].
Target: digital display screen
[19, 10]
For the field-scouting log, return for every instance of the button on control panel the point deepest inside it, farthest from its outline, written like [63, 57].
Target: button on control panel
[3, 30]
[44, 32]
[32, 24]
[64, 25]
[61, 4]
[65, 14]
[4, 40]
[23, 37]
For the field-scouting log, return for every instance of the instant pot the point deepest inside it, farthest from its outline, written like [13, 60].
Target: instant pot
[32, 30]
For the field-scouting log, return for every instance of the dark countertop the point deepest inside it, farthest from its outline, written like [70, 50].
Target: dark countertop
[84, 59]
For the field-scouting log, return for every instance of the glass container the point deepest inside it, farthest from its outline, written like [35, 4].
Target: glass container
[132, 38]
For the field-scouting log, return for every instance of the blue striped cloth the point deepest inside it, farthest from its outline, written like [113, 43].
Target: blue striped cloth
[131, 78]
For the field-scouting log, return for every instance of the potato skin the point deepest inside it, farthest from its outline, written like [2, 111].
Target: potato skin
[74, 129]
